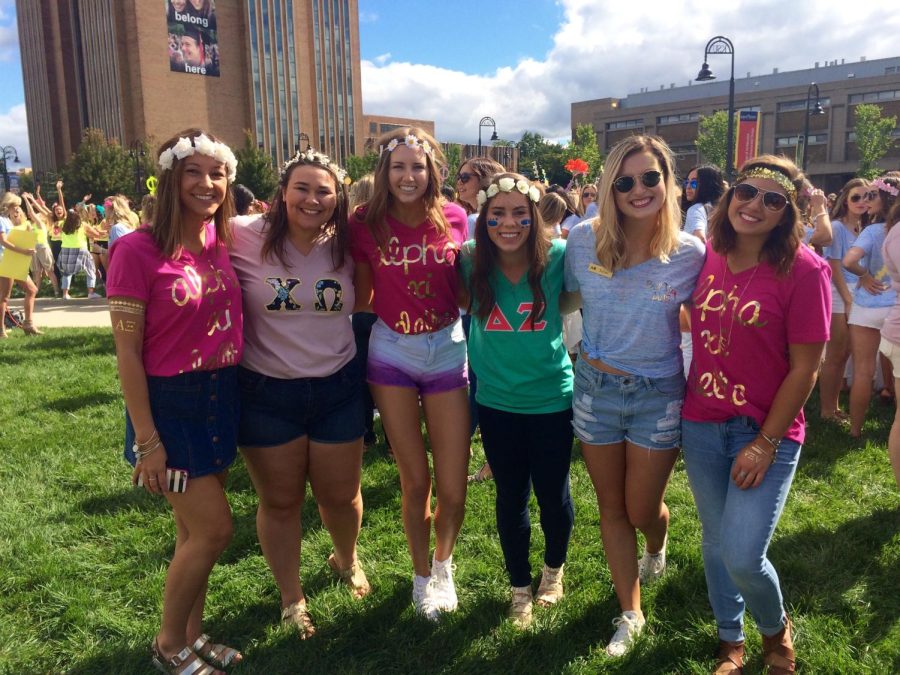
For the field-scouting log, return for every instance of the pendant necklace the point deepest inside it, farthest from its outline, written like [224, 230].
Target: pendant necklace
[725, 341]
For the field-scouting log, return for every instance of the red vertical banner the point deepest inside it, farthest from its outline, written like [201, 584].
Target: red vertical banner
[747, 139]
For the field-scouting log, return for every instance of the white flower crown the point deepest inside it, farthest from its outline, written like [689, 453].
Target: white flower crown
[411, 141]
[508, 184]
[205, 146]
[313, 156]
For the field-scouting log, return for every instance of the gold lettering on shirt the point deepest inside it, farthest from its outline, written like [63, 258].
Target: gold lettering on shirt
[417, 254]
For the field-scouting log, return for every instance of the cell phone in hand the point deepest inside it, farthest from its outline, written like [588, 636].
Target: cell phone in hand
[177, 479]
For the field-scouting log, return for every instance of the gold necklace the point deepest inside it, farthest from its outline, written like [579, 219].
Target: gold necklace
[725, 342]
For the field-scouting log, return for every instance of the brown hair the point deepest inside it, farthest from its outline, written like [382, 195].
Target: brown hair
[839, 210]
[483, 169]
[553, 208]
[382, 199]
[276, 218]
[167, 228]
[781, 246]
[485, 259]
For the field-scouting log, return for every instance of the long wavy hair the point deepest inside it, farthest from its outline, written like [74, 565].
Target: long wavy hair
[840, 208]
[276, 218]
[167, 228]
[382, 200]
[482, 298]
[780, 248]
[608, 227]
[892, 178]
[710, 185]
[482, 169]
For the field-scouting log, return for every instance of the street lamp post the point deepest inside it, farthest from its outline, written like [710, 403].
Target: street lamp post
[722, 45]
[487, 122]
[137, 152]
[300, 138]
[7, 152]
[817, 110]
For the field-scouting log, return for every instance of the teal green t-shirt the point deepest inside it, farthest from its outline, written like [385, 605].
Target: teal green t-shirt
[521, 370]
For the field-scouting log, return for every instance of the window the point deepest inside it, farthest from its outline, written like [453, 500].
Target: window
[874, 96]
[624, 124]
[791, 141]
[851, 135]
[790, 106]
[677, 119]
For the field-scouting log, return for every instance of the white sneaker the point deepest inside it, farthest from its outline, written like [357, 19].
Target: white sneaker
[422, 598]
[551, 589]
[441, 588]
[628, 627]
[521, 608]
[652, 566]
[94, 296]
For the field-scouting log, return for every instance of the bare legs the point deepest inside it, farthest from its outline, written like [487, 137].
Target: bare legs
[832, 375]
[864, 344]
[894, 438]
[630, 482]
[446, 417]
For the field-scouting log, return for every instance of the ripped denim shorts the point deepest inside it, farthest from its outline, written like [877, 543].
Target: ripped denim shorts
[645, 411]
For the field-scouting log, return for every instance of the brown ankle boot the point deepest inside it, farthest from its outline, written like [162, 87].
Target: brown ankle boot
[730, 658]
[778, 650]
[29, 329]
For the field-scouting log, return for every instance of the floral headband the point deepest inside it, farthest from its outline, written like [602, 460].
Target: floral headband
[507, 184]
[777, 176]
[411, 141]
[203, 144]
[313, 157]
[887, 187]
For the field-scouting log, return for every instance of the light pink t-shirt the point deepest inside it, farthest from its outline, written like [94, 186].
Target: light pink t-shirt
[193, 317]
[296, 316]
[741, 335]
[415, 278]
[890, 251]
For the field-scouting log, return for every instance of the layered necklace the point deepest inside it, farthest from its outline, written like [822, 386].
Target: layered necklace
[725, 340]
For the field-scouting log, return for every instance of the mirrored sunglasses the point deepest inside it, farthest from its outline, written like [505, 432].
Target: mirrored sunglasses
[692, 184]
[774, 201]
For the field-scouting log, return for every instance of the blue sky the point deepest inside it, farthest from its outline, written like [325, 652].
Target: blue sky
[524, 62]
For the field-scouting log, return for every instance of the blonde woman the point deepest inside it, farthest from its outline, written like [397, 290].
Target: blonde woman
[634, 268]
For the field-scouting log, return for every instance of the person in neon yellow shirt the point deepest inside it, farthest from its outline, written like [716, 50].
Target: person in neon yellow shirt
[12, 216]
[74, 254]
[42, 261]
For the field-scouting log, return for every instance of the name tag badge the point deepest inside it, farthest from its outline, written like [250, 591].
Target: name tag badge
[600, 269]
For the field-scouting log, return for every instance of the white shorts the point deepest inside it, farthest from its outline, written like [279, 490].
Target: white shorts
[870, 317]
[892, 352]
[837, 302]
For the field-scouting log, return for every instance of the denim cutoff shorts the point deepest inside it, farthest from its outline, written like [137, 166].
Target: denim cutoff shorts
[327, 409]
[645, 411]
[429, 362]
[196, 415]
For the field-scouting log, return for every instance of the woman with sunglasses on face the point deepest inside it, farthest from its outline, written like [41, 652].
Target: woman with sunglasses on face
[472, 176]
[634, 268]
[848, 218]
[764, 299]
[872, 300]
[702, 189]
[586, 197]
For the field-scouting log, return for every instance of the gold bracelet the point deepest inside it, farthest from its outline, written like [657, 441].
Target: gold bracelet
[771, 440]
[153, 437]
[756, 453]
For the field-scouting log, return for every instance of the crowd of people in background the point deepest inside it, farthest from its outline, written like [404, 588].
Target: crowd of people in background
[631, 313]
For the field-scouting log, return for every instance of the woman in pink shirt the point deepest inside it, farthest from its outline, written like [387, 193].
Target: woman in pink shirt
[301, 385]
[890, 330]
[405, 244]
[176, 315]
[760, 321]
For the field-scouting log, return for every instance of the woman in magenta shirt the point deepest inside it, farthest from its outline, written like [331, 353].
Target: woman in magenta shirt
[759, 321]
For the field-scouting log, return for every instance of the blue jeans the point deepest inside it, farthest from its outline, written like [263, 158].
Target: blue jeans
[738, 524]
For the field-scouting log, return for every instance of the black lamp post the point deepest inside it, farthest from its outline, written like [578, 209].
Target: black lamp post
[300, 138]
[137, 152]
[7, 152]
[722, 45]
[487, 122]
[817, 110]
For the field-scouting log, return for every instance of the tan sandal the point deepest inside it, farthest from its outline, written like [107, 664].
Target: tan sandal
[730, 658]
[185, 661]
[220, 656]
[297, 615]
[521, 607]
[550, 591]
[354, 577]
[778, 651]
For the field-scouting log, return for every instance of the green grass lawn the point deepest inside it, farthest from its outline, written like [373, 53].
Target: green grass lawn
[83, 557]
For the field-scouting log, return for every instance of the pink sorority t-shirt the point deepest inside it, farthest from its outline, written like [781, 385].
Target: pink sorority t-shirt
[193, 317]
[890, 251]
[415, 277]
[741, 326]
[296, 316]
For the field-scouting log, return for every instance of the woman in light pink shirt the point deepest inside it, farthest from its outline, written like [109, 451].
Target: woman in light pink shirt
[890, 330]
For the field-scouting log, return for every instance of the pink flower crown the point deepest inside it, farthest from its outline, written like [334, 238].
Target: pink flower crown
[886, 187]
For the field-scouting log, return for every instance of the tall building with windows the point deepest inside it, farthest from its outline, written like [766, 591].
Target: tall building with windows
[780, 101]
[287, 71]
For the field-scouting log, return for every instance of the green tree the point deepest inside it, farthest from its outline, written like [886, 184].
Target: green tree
[26, 182]
[99, 167]
[548, 158]
[254, 169]
[357, 167]
[584, 146]
[453, 153]
[712, 141]
[873, 137]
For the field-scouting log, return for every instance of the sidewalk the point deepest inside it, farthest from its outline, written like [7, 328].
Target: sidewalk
[58, 313]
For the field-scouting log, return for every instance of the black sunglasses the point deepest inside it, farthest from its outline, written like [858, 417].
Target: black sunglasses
[872, 196]
[774, 201]
[649, 179]
[856, 198]
[464, 177]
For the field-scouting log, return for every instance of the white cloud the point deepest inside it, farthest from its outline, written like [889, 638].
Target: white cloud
[615, 49]
[381, 59]
[14, 132]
